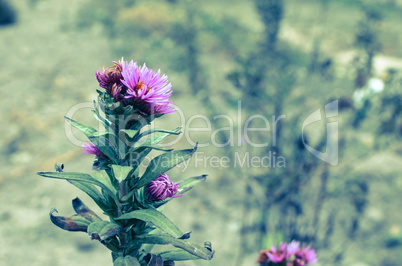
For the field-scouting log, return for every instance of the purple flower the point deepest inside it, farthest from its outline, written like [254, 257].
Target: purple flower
[146, 86]
[137, 86]
[290, 254]
[89, 148]
[277, 255]
[304, 256]
[162, 188]
[292, 248]
[110, 76]
[309, 255]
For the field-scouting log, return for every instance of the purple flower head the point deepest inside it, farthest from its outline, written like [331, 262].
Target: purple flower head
[110, 76]
[277, 255]
[309, 255]
[89, 148]
[305, 256]
[148, 88]
[162, 188]
[292, 248]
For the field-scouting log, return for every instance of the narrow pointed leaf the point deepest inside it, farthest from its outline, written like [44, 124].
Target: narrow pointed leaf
[138, 157]
[155, 217]
[103, 177]
[106, 123]
[150, 146]
[105, 143]
[98, 139]
[189, 183]
[93, 192]
[164, 132]
[155, 139]
[177, 255]
[142, 152]
[164, 163]
[159, 136]
[128, 195]
[79, 177]
[87, 130]
[103, 230]
[192, 248]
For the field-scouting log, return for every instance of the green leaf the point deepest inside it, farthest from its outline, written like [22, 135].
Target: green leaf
[80, 177]
[189, 183]
[138, 157]
[126, 261]
[155, 217]
[146, 248]
[99, 139]
[106, 123]
[131, 133]
[121, 172]
[177, 255]
[164, 163]
[93, 192]
[102, 140]
[142, 152]
[103, 177]
[156, 137]
[87, 130]
[159, 136]
[150, 146]
[193, 248]
[103, 230]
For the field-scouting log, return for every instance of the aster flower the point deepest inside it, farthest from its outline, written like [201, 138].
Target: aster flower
[308, 255]
[303, 257]
[89, 148]
[162, 188]
[110, 76]
[137, 86]
[277, 255]
[147, 88]
[292, 248]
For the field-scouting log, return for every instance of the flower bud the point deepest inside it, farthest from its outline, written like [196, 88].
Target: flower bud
[162, 188]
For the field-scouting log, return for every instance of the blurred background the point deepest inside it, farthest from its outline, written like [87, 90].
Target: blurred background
[277, 57]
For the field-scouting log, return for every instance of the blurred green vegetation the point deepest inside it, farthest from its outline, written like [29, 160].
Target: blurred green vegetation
[276, 57]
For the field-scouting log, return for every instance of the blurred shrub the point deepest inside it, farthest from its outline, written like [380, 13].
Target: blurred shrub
[7, 14]
[146, 17]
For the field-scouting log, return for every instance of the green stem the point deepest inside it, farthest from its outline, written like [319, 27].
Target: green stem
[122, 193]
